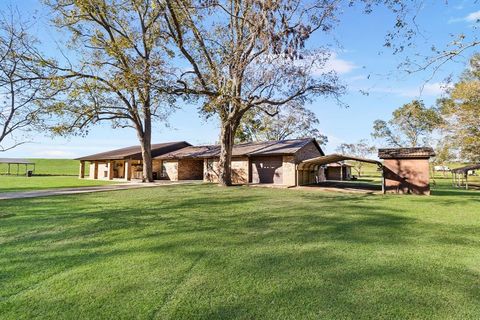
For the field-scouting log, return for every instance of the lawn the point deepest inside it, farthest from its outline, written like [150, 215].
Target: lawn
[205, 252]
[49, 174]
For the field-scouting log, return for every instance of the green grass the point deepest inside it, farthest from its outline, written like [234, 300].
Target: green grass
[49, 174]
[21, 183]
[204, 252]
[57, 167]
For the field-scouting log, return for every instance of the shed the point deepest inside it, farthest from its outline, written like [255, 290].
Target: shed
[406, 170]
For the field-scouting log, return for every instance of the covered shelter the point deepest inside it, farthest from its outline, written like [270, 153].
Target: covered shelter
[18, 162]
[460, 175]
[312, 171]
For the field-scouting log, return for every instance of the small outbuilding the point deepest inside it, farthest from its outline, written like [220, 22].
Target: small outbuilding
[406, 170]
[460, 175]
[24, 163]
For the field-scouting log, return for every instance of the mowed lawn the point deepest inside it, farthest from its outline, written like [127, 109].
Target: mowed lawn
[49, 174]
[205, 252]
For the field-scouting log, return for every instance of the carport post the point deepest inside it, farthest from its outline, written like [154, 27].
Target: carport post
[466, 180]
[383, 180]
[81, 173]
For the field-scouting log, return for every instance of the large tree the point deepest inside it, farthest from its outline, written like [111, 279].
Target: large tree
[117, 71]
[360, 149]
[21, 86]
[461, 110]
[246, 55]
[410, 125]
[290, 122]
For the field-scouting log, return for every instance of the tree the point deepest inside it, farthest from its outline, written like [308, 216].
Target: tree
[361, 149]
[250, 56]
[290, 122]
[120, 71]
[461, 110]
[410, 125]
[21, 83]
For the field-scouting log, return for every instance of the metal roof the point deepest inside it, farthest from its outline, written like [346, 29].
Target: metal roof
[406, 153]
[265, 148]
[332, 158]
[135, 152]
[466, 168]
[15, 161]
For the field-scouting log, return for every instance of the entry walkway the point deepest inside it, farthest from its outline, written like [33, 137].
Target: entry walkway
[80, 190]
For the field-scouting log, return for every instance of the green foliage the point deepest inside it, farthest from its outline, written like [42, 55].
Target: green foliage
[410, 125]
[291, 122]
[203, 252]
[461, 110]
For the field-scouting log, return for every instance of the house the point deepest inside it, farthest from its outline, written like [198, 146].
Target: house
[125, 163]
[406, 170]
[271, 162]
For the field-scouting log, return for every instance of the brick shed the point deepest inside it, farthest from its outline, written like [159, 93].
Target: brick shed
[406, 170]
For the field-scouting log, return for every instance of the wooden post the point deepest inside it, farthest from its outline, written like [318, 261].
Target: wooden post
[110, 170]
[9, 169]
[466, 180]
[128, 170]
[95, 170]
[81, 173]
[384, 190]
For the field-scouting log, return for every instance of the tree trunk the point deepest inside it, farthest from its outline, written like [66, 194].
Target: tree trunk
[146, 146]
[225, 162]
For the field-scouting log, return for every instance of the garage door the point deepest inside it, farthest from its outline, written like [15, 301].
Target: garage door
[267, 170]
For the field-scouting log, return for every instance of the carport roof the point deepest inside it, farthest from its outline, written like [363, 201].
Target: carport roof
[16, 161]
[332, 158]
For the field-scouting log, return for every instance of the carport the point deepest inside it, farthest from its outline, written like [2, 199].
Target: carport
[308, 171]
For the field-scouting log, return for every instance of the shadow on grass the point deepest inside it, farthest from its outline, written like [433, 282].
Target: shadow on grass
[277, 252]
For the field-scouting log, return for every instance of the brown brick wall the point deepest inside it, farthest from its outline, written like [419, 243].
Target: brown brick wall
[307, 152]
[407, 176]
[239, 170]
[289, 171]
[171, 167]
[189, 169]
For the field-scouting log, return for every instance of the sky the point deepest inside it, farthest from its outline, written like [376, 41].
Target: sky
[360, 60]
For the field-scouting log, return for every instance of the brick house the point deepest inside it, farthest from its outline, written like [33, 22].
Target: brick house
[272, 162]
[125, 163]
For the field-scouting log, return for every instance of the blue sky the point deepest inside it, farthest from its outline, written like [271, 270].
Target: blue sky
[361, 62]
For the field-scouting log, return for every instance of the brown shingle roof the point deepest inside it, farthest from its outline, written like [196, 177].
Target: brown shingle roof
[135, 152]
[283, 147]
[406, 153]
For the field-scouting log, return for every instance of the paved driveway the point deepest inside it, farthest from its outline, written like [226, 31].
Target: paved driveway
[78, 190]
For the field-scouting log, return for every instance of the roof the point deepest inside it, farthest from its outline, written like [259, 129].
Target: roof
[332, 158]
[135, 152]
[406, 153]
[15, 161]
[339, 164]
[466, 168]
[265, 148]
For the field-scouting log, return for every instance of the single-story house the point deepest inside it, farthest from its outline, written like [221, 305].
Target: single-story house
[255, 162]
[125, 163]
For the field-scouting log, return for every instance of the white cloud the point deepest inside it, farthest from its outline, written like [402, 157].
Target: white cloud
[428, 89]
[333, 63]
[338, 65]
[472, 17]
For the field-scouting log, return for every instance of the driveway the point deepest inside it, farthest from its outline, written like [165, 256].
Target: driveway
[79, 190]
